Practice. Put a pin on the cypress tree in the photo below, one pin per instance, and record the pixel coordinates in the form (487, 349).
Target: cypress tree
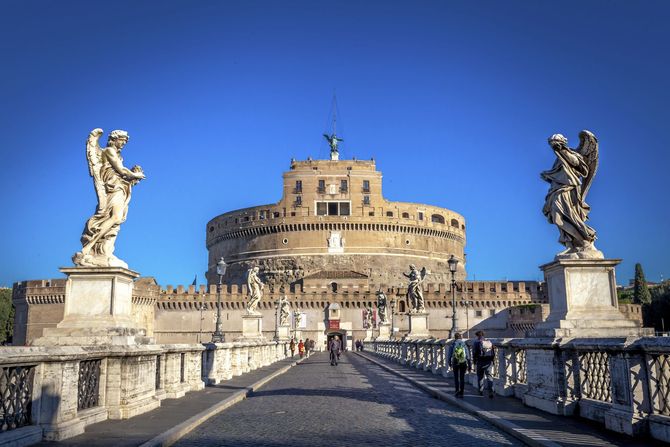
(641, 293)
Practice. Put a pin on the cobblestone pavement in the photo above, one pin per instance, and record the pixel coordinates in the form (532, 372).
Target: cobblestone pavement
(353, 404)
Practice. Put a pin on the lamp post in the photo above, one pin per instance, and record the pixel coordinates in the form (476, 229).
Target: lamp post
(392, 314)
(453, 264)
(467, 316)
(217, 336)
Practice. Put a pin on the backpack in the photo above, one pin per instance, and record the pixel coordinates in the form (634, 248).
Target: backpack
(486, 349)
(459, 354)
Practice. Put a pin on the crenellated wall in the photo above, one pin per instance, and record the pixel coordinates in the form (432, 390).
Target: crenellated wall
(187, 314)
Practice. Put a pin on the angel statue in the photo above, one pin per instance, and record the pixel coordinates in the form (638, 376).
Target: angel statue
(113, 183)
(570, 179)
(381, 307)
(255, 288)
(369, 318)
(332, 142)
(284, 311)
(297, 316)
(415, 288)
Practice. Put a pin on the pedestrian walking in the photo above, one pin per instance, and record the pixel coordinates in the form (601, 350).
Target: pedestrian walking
(301, 349)
(484, 354)
(307, 347)
(334, 349)
(459, 360)
(291, 346)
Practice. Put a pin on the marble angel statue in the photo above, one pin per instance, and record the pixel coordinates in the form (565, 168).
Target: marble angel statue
(415, 288)
(255, 289)
(382, 303)
(565, 204)
(284, 311)
(113, 184)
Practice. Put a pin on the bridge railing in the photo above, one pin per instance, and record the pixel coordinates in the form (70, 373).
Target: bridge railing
(623, 383)
(53, 393)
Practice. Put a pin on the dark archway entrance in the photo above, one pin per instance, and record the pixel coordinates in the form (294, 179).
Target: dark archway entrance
(342, 333)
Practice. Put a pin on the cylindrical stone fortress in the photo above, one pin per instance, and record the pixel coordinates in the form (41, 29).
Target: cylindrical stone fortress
(333, 223)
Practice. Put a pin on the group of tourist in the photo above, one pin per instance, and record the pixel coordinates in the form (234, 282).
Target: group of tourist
(304, 347)
(460, 361)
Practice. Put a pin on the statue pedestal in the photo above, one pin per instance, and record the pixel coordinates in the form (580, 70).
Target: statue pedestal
(283, 333)
(418, 325)
(583, 301)
(368, 335)
(384, 331)
(252, 327)
(98, 309)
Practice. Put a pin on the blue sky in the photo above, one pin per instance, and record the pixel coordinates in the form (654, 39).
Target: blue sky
(455, 101)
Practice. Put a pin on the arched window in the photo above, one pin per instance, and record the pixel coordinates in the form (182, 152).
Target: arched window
(401, 306)
(333, 286)
(454, 223)
(405, 215)
(437, 218)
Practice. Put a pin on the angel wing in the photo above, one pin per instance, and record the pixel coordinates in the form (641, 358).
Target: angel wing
(94, 157)
(588, 149)
(423, 273)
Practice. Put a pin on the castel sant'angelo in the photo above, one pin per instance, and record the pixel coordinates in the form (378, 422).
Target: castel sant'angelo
(328, 245)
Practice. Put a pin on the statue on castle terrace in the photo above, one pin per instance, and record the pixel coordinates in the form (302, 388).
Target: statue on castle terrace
(284, 311)
(415, 288)
(565, 204)
(381, 307)
(113, 183)
(333, 142)
(255, 289)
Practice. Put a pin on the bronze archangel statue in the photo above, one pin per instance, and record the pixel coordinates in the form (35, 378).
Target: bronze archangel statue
(565, 204)
(113, 183)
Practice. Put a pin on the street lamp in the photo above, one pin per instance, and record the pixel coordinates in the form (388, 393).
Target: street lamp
(392, 314)
(467, 316)
(453, 265)
(217, 336)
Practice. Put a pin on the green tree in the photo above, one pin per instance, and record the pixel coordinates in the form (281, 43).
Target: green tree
(6, 315)
(657, 314)
(641, 293)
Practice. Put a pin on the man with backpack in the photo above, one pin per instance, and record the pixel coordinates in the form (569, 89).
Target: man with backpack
(334, 347)
(484, 356)
(459, 360)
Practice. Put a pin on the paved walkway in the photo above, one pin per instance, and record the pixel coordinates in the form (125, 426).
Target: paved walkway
(546, 428)
(172, 412)
(353, 404)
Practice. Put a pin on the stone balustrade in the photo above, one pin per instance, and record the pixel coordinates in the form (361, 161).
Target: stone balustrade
(53, 393)
(622, 383)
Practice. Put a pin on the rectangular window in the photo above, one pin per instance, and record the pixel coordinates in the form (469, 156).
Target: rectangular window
(344, 209)
(298, 200)
(321, 208)
(366, 185)
(343, 186)
(478, 313)
(420, 215)
(366, 200)
(322, 186)
(492, 312)
(332, 208)
(298, 186)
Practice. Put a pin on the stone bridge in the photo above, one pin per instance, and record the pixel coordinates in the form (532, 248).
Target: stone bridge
(605, 391)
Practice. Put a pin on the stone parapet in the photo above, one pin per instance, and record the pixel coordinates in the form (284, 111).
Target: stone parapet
(621, 383)
(58, 390)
